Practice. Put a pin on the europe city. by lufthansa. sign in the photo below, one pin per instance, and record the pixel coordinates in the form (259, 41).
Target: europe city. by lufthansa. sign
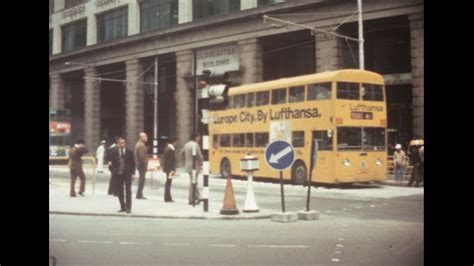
(279, 155)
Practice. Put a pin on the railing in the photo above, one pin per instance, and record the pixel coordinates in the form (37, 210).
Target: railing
(391, 168)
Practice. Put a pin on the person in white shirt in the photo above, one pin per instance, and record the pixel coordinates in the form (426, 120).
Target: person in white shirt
(100, 157)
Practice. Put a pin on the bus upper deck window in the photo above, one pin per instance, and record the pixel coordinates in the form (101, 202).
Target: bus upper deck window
(296, 94)
(372, 92)
(239, 101)
(348, 90)
(278, 96)
(262, 98)
(321, 91)
(250, 99)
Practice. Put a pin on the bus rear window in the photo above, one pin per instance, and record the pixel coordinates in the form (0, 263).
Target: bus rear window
(321, 91)
(238, 140)
(374, 139)
(225, 140)
(296, 94)
(261, 139)
(372, 92)
(262, 98)
(278, 96)
(348, 90)
(349, 138)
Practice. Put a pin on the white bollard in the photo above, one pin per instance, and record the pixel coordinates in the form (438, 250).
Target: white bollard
(250, 203)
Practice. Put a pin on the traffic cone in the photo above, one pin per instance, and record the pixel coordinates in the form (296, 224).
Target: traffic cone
(229, 200)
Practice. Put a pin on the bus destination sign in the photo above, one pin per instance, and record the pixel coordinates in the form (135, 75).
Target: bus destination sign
(362, 115)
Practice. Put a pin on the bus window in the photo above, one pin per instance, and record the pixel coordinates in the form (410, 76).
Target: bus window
(324, 141)
(239, 101)
(349, 138)
(298, 138)
(238, 140)
(261, 139)
(250, 99)
(374, 138)
(225, 140)
(278, 96)
(372, 92)
(215, 141)
(348, 90)
(296, 94)
(249, 140)
(321, 91)
(262, 98)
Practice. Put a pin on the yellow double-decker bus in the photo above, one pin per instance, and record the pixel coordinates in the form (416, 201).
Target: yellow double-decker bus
(344, 111)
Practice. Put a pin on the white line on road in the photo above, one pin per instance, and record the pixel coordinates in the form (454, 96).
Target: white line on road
(336, 260)
(222, 245)
(337, 252)
(134, 243)
(57, 240)
(277, 246)
(340, 245)
(177, 244)
(94, 241)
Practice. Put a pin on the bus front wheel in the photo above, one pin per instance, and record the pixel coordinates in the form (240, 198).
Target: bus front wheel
(299, 173)
(225, 168)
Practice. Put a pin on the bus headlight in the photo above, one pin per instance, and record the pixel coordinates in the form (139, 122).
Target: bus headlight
(346, 162)
(378, 162)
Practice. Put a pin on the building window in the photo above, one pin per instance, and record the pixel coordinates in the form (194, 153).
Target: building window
(208, 8)
(267, 2)
(73, 3)
(278, 96)
(296, 94)
(320, 91)
(112, 25)
(50, 42)
(74, 36)
(348, 90)
(51, 7)
(157, 14)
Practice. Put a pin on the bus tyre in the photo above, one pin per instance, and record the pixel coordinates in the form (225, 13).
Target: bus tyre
(225, 168)
(299, 173)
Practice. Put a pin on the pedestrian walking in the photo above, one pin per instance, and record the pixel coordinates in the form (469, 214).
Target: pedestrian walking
(123, 168)
(415, 161)
(399, 160)
(75, 167)
(100, 154)
(141, 161)
(186, 155)
(169, 167)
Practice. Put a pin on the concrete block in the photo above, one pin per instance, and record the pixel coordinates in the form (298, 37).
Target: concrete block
(284, 217)
(308, 216)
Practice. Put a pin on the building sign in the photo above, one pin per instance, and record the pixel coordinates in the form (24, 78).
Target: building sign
(100, 3)
(60, 128)
(218, 59)
(73, 11)
(397, 79)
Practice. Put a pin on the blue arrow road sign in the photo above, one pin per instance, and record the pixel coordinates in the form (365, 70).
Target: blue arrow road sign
(279, 155)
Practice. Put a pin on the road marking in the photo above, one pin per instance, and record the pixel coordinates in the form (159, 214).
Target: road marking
(177, 244)
(336, 260)
(340, 245)
(134, 243)
(222, 245)
(57, 240)
(371, 206)
(278, 246)
(337, 252)
(94, 241)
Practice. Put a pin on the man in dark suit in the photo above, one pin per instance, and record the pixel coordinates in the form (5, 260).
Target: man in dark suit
(123, 169)
(75, 166)
(169, 167)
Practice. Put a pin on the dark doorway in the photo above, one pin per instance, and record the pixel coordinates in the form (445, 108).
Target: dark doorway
(74, 101)
(399, 113)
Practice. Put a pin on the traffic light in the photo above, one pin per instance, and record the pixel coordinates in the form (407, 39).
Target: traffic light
(215, 88)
